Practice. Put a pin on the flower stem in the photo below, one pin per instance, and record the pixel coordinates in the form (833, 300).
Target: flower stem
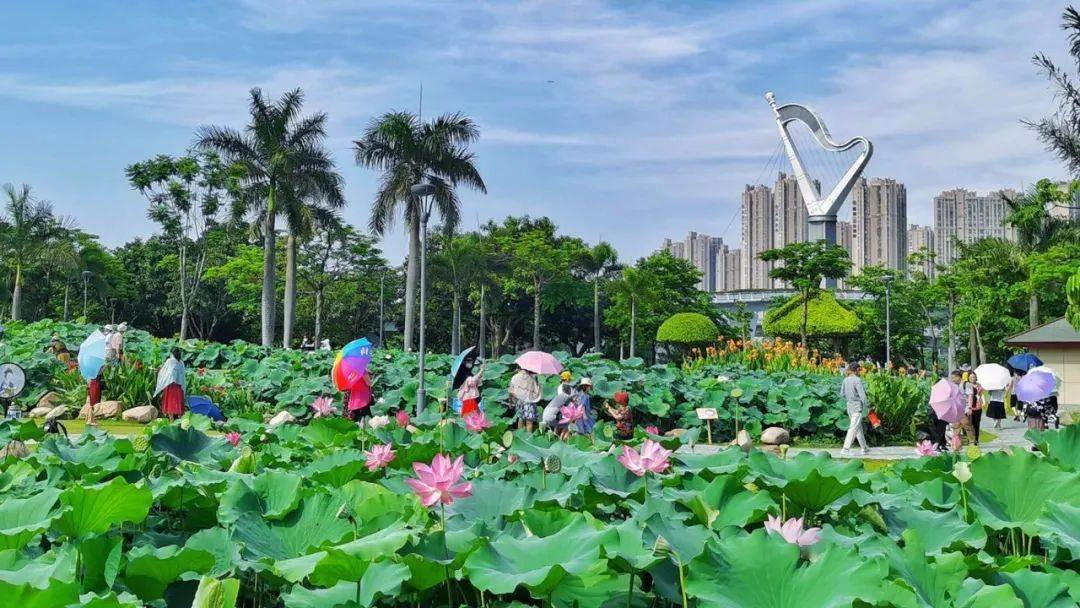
(630, 592)
(446, 554)
(682, 581)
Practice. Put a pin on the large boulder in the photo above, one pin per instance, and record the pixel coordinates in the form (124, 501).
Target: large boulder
(50, 400)
(59, 412)
(39, 412)
(142, 413)
(775, 435)
(105, 409)
(280, 418)
(15, 449)
(743, 441)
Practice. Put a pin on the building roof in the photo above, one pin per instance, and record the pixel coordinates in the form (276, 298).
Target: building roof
(1056, 333)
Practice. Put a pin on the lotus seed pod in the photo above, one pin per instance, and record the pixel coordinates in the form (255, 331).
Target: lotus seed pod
(552, 464)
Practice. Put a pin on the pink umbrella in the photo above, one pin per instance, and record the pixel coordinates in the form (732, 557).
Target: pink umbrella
(947, 401)
(539, 363)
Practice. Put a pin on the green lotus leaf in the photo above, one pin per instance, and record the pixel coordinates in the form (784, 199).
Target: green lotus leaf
(95, 509)
(99, 558)
(375, 506)
(941, 531)
(1039, 589)
(763, 571)
(726, 502)
(336, 468)
(313, 525)
(343, 562)
(918, 583)
(723, 461)
(1060, 524)
(325, 432)
(150, 570)
(21, 520)
(537, 563)
(380, 579)
(107, 600)
(215, 593)
(611, 477)
(686, 541)
(1011, 490)
(810, 481)
(191, 445)
(491, 500)
(1062, 445)
(591, 590)
(46, 582)
(88, 456)
(219, 543)
(272, 495)
(626, 547)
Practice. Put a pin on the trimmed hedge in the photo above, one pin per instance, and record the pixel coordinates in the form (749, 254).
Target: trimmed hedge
(688, 328)
(827, 318)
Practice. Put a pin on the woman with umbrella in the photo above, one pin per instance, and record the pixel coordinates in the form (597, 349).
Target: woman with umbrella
(524, 393)
(171, 382)
(465, 382)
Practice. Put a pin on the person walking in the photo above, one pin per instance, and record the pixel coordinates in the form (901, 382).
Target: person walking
(995, 409)
(94, 388)
(974, 406)
(854, 393)
(524, 394)
(171, 382)
(563, 394)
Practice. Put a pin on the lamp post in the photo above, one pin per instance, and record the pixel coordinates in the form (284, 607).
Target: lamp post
(382, 321)
(425, 192)
(888, 279)
(85, 281)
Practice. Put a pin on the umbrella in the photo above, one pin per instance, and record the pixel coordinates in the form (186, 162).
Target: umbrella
(1052, 372)
(993, 377)
(1035, 386)
(92, 355)
(539, 362)
(462, 367)
(947, 401)
(199, 404)
(351, 364)
(1024, 361)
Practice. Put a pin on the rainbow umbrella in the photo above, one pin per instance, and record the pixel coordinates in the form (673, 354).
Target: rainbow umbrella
(351, 364)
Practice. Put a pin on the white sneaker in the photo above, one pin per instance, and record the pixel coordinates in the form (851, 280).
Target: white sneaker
(845, 454)
(865, 451)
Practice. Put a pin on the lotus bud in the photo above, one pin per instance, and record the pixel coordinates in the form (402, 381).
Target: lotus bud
(783, 450)
(962, 472)
(662, 548)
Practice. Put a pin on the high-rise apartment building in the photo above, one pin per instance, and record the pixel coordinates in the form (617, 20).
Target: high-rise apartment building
(789, 212)
(728, 269)
(965, 216)
(878, 224)
(758, 231)
(921, 240)
(709, 255)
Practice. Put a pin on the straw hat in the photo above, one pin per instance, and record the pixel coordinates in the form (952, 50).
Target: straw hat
(585, 382)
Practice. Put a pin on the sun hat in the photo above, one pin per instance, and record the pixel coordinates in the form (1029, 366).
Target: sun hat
(585, 382)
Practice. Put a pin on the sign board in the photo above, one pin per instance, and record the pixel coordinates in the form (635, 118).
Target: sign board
(12, 380)
(706, 413)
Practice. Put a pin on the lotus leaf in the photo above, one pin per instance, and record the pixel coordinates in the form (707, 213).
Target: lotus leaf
(380, 579)
(150, 570)
(214, 593)
(190, 445)
(1039, 589)
(313, 525)
(1012, 490)
(941, 530)
(1061, 446)
(21, 520)
(95, 509)
(272, 495)
(920, 583)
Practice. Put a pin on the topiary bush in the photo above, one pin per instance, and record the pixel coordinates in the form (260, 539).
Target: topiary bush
(827, 318)
(688, 329)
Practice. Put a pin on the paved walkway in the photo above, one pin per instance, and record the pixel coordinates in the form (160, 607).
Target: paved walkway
(1009, 435)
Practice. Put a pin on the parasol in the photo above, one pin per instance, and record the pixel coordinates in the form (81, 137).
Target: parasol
(539, 362)
(462, 367)
(351, 364)
(92, 355)
(993, 377)
(1035, 385)
(947, 401)
(1024, 361)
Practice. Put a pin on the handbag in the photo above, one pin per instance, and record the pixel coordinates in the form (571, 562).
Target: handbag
(875, 420)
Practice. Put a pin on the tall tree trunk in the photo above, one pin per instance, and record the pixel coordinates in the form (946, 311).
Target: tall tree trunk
(411, 279)
(979, 344)
(269, 286)
(952, 332)
(1033, 310)
(183, 291)
(318, 316)
(972, 347)
(67, 292)
(16, 294)
(633, 326)
(455, 329)
(483, 321)
(596, 314)
(290, 290)
(536, 316)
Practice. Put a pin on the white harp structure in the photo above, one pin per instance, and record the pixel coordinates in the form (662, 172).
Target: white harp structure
(821, 209)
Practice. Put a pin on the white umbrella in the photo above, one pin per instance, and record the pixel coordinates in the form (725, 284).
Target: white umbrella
(1052, 372)
(993, 377)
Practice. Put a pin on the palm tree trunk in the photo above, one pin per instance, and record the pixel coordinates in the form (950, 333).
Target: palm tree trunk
(67, 291)
(596, 314)
(269, 286)
(411, 278)
(1033, 310)
(633, 326)
(483, 320)
(318, 316)
(536, 316)
(455, 329)
(290, 290)
(16, 294)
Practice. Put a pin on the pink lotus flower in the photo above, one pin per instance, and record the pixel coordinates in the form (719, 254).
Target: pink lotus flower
(402, 418)
(653, 457)
(652, 430)
(438, 483)
(792, 531)
(323, 406)
(476, 422)
(571, 413)
(955, 444)
(926, 448)
(379, 456)
(233, 438)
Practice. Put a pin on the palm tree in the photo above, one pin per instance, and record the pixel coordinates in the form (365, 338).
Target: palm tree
(303, 217)
(599, 262)
(637, 287)
(464, 260)
(30, 225)
(408, 151)
(283, 161)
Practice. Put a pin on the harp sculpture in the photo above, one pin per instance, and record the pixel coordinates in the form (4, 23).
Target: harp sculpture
(821, 210)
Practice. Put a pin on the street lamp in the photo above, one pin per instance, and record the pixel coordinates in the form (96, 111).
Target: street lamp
(888, 279)
(425, 192)
(85, 281)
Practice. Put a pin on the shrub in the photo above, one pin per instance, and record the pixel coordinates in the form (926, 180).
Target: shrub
(688, 329)
(826, 318)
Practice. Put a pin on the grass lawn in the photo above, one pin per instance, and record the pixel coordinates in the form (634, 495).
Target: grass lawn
(113, 427)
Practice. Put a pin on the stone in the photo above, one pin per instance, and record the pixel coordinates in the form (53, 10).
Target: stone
(280, 418)
(142, 413)
(39, 412)
(15, 449)
(58, 413)
(675, 433)
(775, 435)
(50, 400)
(743, 441)
(108, 409)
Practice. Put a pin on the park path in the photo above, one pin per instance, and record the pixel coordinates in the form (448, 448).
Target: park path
(1010, 435)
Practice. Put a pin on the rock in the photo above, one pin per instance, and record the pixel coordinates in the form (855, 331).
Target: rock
(14, 448)
(280, 418)
(50, 400)
(57, 413)
(142, 413)
(108, 409)
(39, 412)
(743, 441)
(775, 435)
(676, 433)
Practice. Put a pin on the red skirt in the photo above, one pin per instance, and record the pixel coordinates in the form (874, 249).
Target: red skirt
(93, 390)
(172, 400)
(469, 406)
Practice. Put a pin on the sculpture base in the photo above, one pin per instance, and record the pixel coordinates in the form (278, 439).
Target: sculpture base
(822, 228)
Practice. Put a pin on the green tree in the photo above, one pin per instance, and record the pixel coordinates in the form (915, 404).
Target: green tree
(305, 218)
(1060, 132)
(598, 263)
(636, 286)
(30, 224)
(805, 266)
(463, 260)
(282, 161)
(407, 152)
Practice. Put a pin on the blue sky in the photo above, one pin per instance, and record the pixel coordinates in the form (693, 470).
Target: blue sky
(627, 121)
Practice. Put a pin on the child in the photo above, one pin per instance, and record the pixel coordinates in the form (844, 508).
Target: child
(469, 393)
(624, 418)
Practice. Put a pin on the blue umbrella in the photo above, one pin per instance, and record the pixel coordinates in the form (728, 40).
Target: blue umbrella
(199, 404)
(1024, 361)
(459, 370)
(92, 355)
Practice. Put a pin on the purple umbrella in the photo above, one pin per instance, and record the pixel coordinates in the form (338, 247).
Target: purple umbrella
(947, 401)
(1035, 385)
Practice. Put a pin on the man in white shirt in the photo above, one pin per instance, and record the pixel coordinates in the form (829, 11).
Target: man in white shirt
(854, 392)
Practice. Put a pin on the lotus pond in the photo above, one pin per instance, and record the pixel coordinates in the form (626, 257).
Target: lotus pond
(297, 516)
